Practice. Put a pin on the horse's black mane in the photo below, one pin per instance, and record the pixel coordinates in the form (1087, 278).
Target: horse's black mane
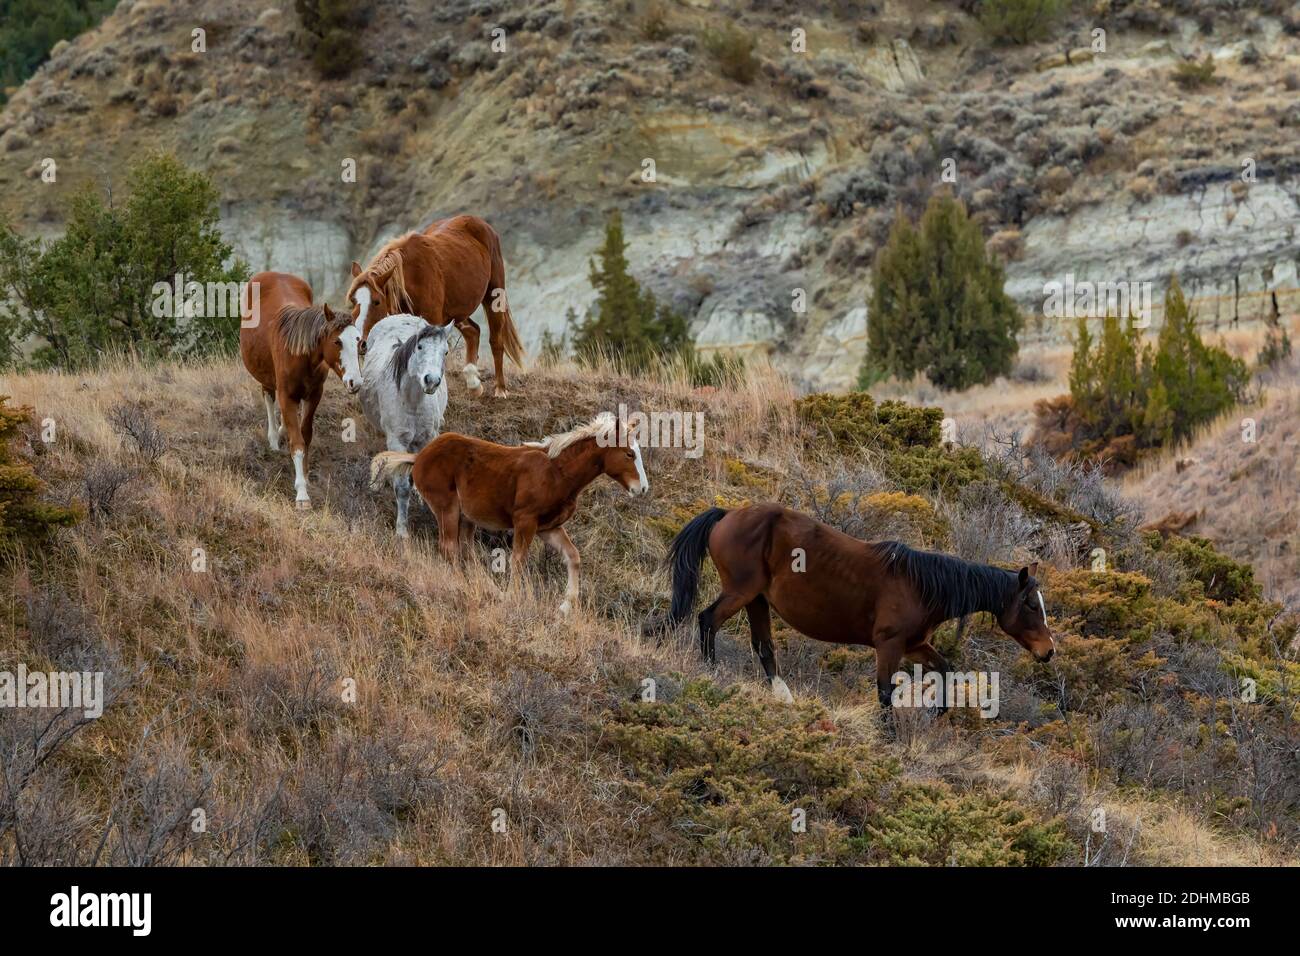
(949, 585)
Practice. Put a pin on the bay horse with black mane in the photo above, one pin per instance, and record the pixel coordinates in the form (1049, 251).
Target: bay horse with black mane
(835, 588)
(531, 489)
(290, 346)
(443, 274)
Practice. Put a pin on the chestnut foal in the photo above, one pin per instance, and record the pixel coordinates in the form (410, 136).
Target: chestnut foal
(531, 488)
(290, 346)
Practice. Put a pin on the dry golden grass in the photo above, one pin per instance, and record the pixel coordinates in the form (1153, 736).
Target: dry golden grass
(472, 694)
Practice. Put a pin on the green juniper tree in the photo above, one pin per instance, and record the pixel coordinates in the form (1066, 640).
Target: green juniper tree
(938, 305)
(29, 29)
(92, 291)
(626, 322)
(1154, 395)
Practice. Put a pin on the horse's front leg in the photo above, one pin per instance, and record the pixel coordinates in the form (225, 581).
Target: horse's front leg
(469, 329)
(525, 528)
(932, 659)
(274, 427)
(308, 408)
(559, 539)
(402, 492)
(889, 654)
(401, 483)
(289, 413)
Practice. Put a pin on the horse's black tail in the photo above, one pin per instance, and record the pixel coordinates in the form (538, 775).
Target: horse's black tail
(685, 555)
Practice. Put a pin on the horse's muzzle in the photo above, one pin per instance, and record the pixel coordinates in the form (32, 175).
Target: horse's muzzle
(1044, 658)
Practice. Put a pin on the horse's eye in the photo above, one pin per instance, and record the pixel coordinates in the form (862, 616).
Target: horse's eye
(361, 347)
(631, 454)
(339, 342)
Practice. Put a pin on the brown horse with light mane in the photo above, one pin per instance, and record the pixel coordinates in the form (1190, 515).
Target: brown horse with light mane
(835, 588)
(531, 489)
(443, 274)
(290, 346)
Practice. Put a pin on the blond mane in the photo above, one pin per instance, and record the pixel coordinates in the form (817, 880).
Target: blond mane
(554, 444)
(385, 270)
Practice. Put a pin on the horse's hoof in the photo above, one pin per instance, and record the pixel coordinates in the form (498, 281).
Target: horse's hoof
(501, 393)
(476, 391)
(403, 534)
(303, 504)
(781, 692)
(565, 608)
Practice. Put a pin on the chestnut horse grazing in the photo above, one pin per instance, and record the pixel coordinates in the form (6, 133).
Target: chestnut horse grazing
(290, 346)
(443, 274)
(531, 488)
(835, 588)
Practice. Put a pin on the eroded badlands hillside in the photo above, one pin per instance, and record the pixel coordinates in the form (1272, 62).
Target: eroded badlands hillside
(1097, 164)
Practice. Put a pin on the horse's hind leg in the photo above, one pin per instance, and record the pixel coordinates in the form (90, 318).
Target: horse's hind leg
(713, 617)
(469, 329)
(274, 426)
(760, 638)
(449, 530)
(494, 307)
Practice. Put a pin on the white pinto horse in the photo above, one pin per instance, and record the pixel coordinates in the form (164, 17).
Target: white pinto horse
(403, 391)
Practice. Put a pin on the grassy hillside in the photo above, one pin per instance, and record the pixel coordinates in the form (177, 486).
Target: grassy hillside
(231, 684)
(1240, 493)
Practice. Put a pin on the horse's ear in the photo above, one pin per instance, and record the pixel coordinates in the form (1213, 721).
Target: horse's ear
(356, 268)
(1033, 570)
(1024, 578)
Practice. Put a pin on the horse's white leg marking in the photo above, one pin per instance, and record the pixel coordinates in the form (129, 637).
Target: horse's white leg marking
(274, 429)
(570, 586)
(560, 541)
(300, 480)
(472, 381)
(781, 691)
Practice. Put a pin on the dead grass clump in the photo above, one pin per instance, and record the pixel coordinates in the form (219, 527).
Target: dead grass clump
(733, 50)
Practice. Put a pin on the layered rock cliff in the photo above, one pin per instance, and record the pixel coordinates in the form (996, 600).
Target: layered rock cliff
(543, 116)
